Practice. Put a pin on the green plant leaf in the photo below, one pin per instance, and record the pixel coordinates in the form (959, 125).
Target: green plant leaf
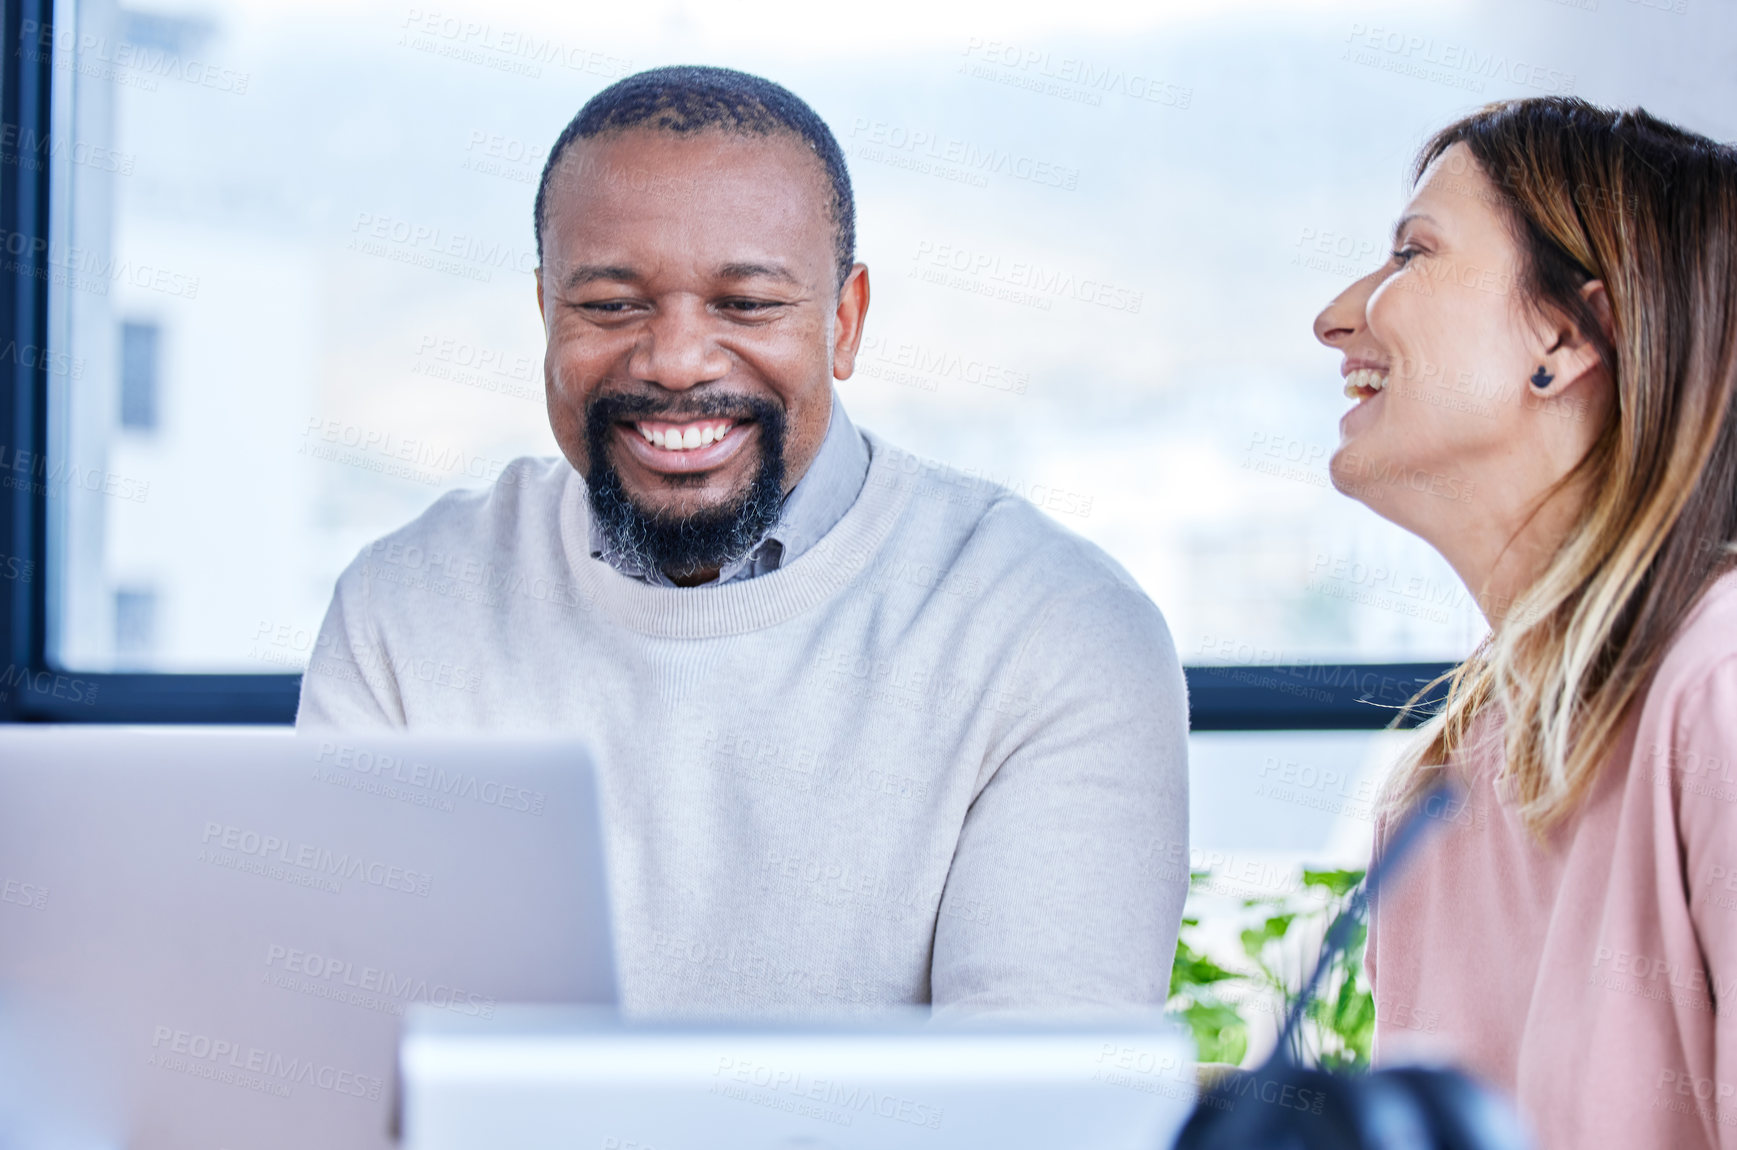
(1220, 1034)
(1273, 929)
(1192, 970)
(1338, 883)
(1212, 999)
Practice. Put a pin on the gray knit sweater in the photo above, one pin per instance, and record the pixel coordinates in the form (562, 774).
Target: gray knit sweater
(938, 757)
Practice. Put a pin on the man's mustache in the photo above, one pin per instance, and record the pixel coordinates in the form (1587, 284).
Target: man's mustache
(711, 405)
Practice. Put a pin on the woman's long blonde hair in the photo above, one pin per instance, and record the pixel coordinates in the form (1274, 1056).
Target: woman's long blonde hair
(1651, 210)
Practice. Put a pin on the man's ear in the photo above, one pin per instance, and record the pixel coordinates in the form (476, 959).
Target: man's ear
(853, 301)
(537, 274)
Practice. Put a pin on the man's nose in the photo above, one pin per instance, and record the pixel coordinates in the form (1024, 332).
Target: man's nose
(1346, 316)
(678, 348)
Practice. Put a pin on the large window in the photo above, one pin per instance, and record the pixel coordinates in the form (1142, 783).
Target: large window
(286, 294)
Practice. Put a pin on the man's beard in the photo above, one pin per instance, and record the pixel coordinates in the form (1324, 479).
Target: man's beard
(709, 539)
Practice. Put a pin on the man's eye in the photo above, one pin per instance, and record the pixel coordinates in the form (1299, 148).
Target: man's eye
(607, 306)
(749, 306)
(1405, 255)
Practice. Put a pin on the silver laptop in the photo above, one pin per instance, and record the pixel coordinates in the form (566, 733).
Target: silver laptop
(560, 1079)
(209, 940)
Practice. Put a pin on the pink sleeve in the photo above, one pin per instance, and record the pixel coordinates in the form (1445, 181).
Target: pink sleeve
(1703, 754)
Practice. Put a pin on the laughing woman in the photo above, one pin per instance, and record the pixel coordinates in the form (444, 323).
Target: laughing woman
(1544, 374)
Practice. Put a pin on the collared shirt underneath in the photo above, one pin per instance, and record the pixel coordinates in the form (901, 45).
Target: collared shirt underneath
(818, 501)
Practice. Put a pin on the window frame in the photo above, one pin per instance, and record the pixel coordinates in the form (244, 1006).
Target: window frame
(1263, 697)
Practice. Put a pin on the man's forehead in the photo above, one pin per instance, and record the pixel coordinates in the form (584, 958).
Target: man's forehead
(651, 201)
(659, 164)
(634, 273)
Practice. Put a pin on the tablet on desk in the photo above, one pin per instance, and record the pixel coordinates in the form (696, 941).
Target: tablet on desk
(225, 930)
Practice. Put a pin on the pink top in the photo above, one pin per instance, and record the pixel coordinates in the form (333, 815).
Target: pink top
(1584, 975)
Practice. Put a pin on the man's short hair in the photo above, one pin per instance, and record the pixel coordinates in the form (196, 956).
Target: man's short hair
(690, 98)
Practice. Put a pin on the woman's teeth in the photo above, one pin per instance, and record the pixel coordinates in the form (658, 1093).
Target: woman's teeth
(684, 438)
(1364, 382)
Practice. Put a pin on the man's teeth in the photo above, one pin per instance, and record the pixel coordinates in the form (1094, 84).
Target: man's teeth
(1364, 379)
(685, 438)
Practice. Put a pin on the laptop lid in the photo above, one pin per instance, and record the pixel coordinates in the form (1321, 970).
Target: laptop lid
(227, 928)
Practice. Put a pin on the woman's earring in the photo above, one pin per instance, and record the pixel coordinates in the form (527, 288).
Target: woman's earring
(1541, 378)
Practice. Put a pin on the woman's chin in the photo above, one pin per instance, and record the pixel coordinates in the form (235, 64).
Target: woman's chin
(1360, 416)
(1357, 475)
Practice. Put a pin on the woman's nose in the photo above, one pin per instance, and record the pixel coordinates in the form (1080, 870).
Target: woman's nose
(1344, 317)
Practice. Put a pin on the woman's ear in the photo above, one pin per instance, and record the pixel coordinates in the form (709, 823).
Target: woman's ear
(1599, 300)
(1573, 353)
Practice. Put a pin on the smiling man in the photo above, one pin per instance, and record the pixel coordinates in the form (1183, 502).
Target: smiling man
(870, 732)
